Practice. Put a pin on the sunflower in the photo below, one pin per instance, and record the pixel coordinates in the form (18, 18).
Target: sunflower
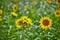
(57, 1)
(19, 23)
(26, 19)
(14, 7)
(0, 11)
(45, 22)
(29, 21)
(22, 20)
(14, 14)
(57, 13)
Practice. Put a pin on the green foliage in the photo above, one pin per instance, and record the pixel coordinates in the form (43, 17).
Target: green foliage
(8, 30)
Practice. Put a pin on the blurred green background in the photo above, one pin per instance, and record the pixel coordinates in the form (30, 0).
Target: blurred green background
(35, 10)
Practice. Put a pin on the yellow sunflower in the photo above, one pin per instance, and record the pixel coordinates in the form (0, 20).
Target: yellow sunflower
(14, 14)
(14, 7)
(0, 11)
(26, 19)
(57, 13)
(30, 21)
(57, 1)
(45, 22)
(19, 23)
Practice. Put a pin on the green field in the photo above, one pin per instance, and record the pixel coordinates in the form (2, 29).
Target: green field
(29, 19)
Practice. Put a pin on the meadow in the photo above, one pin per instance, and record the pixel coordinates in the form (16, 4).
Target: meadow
(29, 19)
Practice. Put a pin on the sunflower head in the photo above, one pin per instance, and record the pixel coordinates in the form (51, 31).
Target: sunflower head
(45, 22)
(57, 13)
(26, 20)
(0, 11)
(19, 23)
(14, 14)
(22, 20)
(30, 21)
(14, 7)
(57, 1)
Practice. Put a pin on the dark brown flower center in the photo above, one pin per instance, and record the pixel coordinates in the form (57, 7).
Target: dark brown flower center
(15, 8)
(57, 13)
(59, 1)
(45, 22)
(20, 22)
(26, 19)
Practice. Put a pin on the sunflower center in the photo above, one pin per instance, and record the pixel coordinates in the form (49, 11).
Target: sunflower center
(57, 13)
(26, 20)
(20, 23)
(59, 1)
(15, 8)
(45, 22)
